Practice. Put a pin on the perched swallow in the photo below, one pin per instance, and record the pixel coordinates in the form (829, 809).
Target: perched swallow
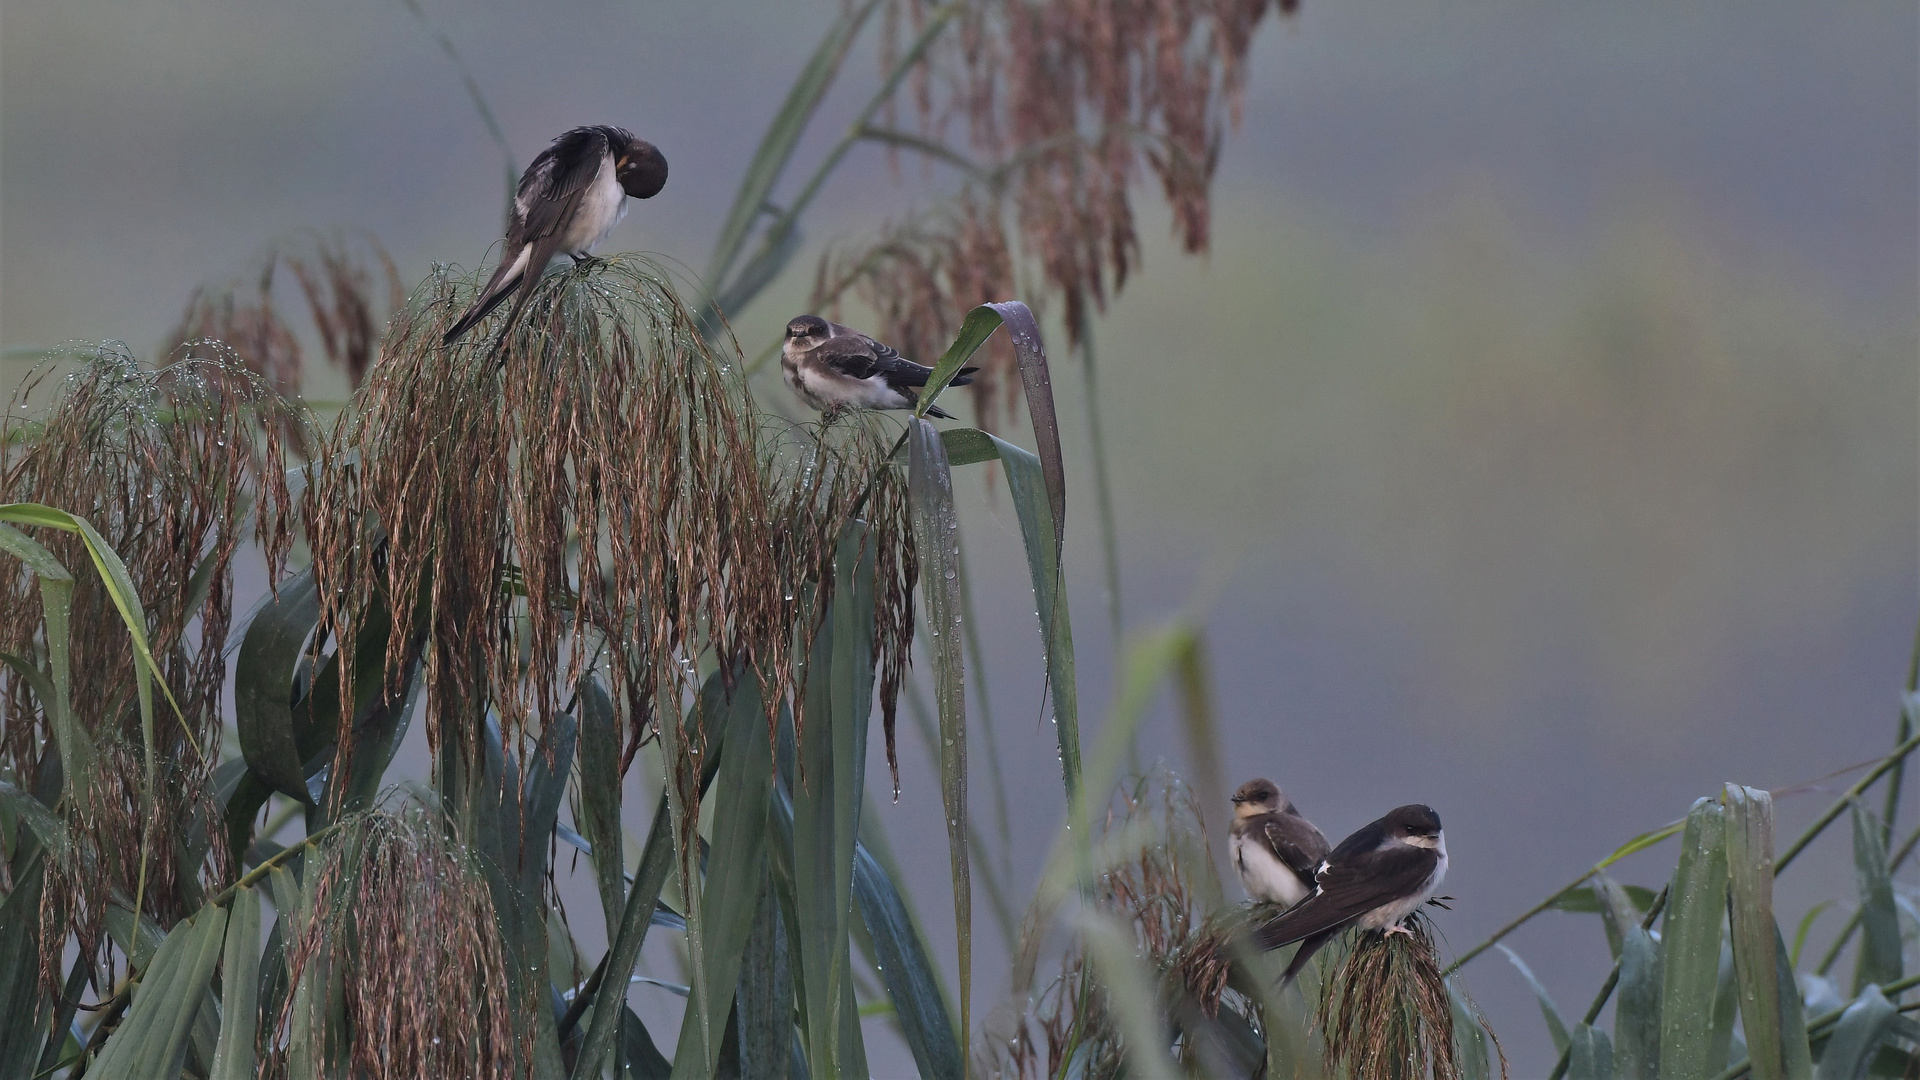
(833, 367)
(1274, 848)
(1373, 880)
(573, 194)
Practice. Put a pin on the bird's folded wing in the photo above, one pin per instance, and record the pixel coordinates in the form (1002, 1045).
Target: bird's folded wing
(853, 357)
(552, 187)
(1294, 842)
(1348, 890)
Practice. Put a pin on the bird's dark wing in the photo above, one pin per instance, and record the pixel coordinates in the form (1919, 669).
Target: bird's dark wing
(1293, 840)
(551, 188)
(1348, 889)
(853, 355)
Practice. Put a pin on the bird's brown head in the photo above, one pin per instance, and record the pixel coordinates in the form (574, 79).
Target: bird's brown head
(1257, 797)
(1416, 824)
(807, 331)
(640, 168)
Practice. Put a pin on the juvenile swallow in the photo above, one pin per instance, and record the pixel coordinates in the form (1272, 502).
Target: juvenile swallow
(573, 194)
(834, 367)
(1373, 880)
(1274, 848)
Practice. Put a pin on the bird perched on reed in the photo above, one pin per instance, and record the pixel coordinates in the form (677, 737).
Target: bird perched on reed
(572, 195)
(1274, 848)
(830, 366)
(1373, 880)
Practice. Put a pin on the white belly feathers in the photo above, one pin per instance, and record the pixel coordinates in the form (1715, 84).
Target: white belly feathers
(1265, 876)
(602, 206)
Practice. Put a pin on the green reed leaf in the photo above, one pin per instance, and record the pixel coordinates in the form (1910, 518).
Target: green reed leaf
(1879, 959)
(234, 1059)
(1690, 940)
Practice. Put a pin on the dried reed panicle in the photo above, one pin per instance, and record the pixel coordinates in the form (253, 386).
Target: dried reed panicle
(604, 458)
(1156, 891)
(823, 478)
(1065, 104)
(1386, 1014)
(167, 464)
(405, 923)
(349, 287)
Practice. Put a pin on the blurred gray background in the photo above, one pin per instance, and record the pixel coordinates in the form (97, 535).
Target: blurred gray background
(1538, 440)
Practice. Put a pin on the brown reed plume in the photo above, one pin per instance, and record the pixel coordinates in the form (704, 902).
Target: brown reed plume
(1064, 105)
(399, 919)
(1157, 889)
(1386, 1013)
(349, 287)
(168, 465)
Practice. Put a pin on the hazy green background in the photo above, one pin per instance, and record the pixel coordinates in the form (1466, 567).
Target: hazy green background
(1540, 434)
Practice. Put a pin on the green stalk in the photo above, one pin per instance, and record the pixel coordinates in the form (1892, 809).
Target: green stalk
(1853, 921)
(1904, 731)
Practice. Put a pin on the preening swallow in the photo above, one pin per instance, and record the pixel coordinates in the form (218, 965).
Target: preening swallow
(834, 367)
(1274, 848)
(572, 195)
(1373, 880)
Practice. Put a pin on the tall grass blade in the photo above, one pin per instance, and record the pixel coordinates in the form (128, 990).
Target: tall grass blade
(599, 809)
(656, 863)
(152, 1041)
(764, 998)
(1590, 1056)
(1556, 1024)
(1690, 939)
(235, 1057)
(1776, 1032)
(826, 804)
(937, 538)
(1879, 959)
(736, 872)
(44, 824)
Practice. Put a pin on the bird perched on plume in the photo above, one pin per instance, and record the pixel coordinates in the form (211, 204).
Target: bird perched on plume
(1373, 880)
(573, 194)
(834, 367)
(1274, 848)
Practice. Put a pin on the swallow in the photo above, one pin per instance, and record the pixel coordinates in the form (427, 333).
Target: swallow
(1373, 880)
(1274, 848)
(572, 195)
(830, 366)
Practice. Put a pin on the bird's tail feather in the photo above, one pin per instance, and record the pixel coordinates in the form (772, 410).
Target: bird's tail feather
(496, 294)
(938, 413)
(1308, 946)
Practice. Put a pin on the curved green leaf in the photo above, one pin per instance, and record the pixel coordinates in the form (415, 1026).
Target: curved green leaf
(263, 679)
(599, 810)
(1556, 1025)
(56, 605)
(1865, 1024)
(22, 1007)
(912, 980)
